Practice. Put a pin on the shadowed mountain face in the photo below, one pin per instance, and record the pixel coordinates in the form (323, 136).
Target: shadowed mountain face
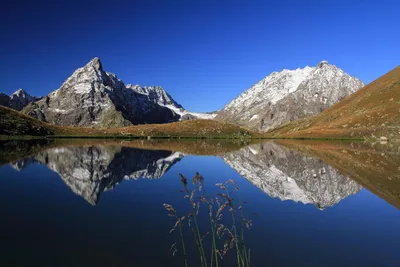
(91, 170)
(289, 175)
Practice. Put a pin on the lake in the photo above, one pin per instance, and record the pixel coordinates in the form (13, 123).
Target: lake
(100, 203)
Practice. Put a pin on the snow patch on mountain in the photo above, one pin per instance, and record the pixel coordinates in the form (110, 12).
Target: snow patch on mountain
(274, 87)
(183, 112)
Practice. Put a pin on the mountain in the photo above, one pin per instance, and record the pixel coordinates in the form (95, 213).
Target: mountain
(95, 98)
(18, 100)
(289, 95)
(92, 97)
(288, 175)
(91, 170)
(371, 112)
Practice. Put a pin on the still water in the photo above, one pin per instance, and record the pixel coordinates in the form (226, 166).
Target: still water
(100, 203)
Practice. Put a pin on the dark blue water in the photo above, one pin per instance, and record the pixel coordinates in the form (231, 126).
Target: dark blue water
(122, 222)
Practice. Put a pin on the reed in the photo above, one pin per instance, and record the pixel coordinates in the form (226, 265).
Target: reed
(223, 234)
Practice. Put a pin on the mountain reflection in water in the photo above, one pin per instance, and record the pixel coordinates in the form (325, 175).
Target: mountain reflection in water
(288, 175)
(277, 170)
(91, 170)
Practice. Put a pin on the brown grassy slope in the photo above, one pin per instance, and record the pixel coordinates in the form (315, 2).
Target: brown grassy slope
(372, 111)
(13, 123)
(194, 128)
(375, 166)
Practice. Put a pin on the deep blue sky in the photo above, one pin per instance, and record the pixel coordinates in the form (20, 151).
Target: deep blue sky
(204, 53)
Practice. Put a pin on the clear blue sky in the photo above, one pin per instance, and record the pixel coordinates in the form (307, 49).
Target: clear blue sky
(204, 53)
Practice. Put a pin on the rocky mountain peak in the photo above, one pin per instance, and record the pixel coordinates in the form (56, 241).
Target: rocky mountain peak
(289, 95)
(19, 99)
(95, 63)
(19, 92)
(322, 63)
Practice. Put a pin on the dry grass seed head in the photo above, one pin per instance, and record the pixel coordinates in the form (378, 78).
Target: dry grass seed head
(169, 208)
(179, 221)
(173, 249)
(220, 185)
(219, 211)
(220, 229)
(190, 218)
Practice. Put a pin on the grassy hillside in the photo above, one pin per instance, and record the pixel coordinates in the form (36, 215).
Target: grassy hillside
(371, 112)
(13, 123)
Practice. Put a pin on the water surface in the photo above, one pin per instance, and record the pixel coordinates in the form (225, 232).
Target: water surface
(100, 203)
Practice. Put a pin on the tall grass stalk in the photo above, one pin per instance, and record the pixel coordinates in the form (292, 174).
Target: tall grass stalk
(217, 226)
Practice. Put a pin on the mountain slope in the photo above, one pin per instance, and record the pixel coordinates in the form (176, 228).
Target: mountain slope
(13, 123)
(289, 95)
(372, 111)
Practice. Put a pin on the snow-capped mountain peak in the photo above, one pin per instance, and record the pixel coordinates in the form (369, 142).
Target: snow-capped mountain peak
(95, 63)
(289, 95)
(19, 99)
(21, 93)
(322, 63)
